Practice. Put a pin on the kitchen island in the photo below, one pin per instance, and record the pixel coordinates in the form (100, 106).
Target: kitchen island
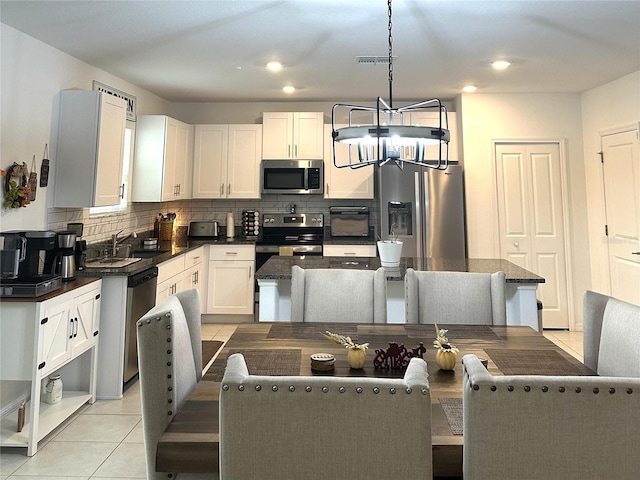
(274, 281)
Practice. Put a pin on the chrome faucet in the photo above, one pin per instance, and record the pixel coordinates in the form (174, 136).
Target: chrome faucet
(115, 240)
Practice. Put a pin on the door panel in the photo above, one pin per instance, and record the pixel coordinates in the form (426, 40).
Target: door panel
(531, 220)
(621, 170)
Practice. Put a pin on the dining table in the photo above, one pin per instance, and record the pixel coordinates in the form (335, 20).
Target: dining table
(189, 444)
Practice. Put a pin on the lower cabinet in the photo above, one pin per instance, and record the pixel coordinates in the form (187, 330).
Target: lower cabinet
(349, 250)
(170, 278)
(231, 279)
(40, 339)
(195, 275)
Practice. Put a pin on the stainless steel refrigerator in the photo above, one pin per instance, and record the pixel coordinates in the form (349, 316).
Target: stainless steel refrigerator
(424, 208)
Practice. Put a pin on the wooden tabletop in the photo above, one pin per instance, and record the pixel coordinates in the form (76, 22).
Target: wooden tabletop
(190, 442)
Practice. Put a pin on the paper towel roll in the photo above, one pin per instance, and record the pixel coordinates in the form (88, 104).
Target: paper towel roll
(230, 225)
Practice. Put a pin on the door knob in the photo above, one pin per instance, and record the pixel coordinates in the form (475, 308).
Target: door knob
(516, 244)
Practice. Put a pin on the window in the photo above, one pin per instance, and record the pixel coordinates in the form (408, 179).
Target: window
(126, 168)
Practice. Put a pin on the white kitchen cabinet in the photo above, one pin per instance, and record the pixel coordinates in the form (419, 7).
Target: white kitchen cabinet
(333, 250)
(170, 278)
(195, 274)
(226, 161)
(231, 279)
(89, 148)
(40, 338)
(163, 159)
(296, 135)
(345, 182)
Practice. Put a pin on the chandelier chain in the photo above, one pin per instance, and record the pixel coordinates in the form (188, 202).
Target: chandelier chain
(390, 56)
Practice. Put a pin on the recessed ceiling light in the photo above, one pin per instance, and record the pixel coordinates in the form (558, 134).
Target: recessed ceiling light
(274, 66)
(289, 89)
(500, 64)
(469, 88)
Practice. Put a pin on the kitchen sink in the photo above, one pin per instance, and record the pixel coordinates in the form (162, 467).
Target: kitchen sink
(112, 262)
(148, 253)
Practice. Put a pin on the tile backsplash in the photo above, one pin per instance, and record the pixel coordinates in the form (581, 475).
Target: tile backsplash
(140, 216)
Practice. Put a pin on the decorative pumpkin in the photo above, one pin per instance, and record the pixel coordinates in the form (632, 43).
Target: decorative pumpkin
(356, 357)
(446, 359)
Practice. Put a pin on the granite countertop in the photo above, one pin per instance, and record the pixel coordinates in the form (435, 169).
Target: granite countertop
(279, 268)
(173, 248)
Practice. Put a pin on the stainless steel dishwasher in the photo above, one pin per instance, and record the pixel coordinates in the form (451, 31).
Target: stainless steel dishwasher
(141, 297)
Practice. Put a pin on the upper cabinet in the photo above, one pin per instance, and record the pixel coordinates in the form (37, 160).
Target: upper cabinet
(226, 161)
(296, 135)
(162, 163)
(344, 182)
(89, 149)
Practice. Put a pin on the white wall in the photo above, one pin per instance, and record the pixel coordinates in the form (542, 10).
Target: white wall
(615, 104)
(31, 74)
(487, 118)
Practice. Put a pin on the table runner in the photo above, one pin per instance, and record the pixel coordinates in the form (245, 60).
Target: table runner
(285, 361)
(311, 331)
(456, 332)
(453, 410)
(532, 362)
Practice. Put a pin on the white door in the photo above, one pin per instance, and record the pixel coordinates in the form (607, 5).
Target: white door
(621, 170)
(532, 223)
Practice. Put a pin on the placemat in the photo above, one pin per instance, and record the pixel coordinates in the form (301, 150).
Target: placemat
(284, 361)
(456, 332)
(209, 349)
(311, 331)
(453, 410)
(532, 362)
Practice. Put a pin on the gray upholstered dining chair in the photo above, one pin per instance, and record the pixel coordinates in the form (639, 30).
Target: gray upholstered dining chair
(170, 365)
(611, 338)
(324, 427)
(455, 297)
(540, 427)
(338, 295)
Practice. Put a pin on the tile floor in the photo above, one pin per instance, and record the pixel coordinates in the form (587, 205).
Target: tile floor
(104, 440)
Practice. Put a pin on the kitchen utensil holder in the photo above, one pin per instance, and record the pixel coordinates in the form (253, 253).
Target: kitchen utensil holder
(166, 230)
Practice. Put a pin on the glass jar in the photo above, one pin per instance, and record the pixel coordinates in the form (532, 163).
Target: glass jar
(53, 390)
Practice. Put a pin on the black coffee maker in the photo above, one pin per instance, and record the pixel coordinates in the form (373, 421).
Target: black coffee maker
(81, 245)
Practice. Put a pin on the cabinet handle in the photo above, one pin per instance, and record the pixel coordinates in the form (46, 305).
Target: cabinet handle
(122, 191)
(44, 320)
(295, 149)
(231, 253)
(71, 323)
(41, 366)
(179, 189)
(349, 253)
(98, 297)
(250, 269)
(289, 151)
(327, 189)
(229, 189)
(95, 334)
(221, 189)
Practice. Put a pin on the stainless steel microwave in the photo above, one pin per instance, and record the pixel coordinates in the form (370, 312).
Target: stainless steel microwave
(292, 176)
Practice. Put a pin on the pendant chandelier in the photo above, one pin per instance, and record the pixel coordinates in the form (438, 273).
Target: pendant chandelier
(382, 141)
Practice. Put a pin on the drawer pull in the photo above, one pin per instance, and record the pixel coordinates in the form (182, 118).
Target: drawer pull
(231, 253)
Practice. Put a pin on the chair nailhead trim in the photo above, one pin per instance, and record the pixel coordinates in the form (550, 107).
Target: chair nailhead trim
(629, 391)
(578, 389)
(376, 390)
(148, 321)
(168, 364)
(292, 388)
(169, 376)
(408, 390)
(493, 388)
(392, 391)
(359, 390)
(561, 389)
(325, 389)
(510, 388)
(527, 388)
(170, 412)
(476, 387)
(274, 388)
(169, 352)
(170, 389)
(612, 391)
(169, 400)
(169, 340)
(342, 389)
(168, 315)
(258, 388)
(225, 387)
(596, 390)
(139, 323)
(308, 388)
(241, 388)
(545, 389)
(425, 391)
(168, 327)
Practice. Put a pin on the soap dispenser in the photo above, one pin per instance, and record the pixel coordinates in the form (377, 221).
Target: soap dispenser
(230, 225)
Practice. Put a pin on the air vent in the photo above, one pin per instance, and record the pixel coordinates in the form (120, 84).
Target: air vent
(374, 60)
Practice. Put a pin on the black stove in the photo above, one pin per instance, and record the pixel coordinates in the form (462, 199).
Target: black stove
(289, 234)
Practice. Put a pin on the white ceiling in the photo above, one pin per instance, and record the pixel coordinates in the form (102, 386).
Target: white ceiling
(196, 51)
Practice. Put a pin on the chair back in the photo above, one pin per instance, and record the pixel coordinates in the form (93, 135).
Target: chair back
(338, 295)
(543, 427)
(455, 298)
(170, 365)
(321, 427)
(619, 353)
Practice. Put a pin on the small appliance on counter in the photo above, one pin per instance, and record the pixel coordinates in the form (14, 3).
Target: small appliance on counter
(204, 229)
(81, 245)
(250, 224)
(32, 279)
(62, 260)
(349, 221)
(231, 226)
